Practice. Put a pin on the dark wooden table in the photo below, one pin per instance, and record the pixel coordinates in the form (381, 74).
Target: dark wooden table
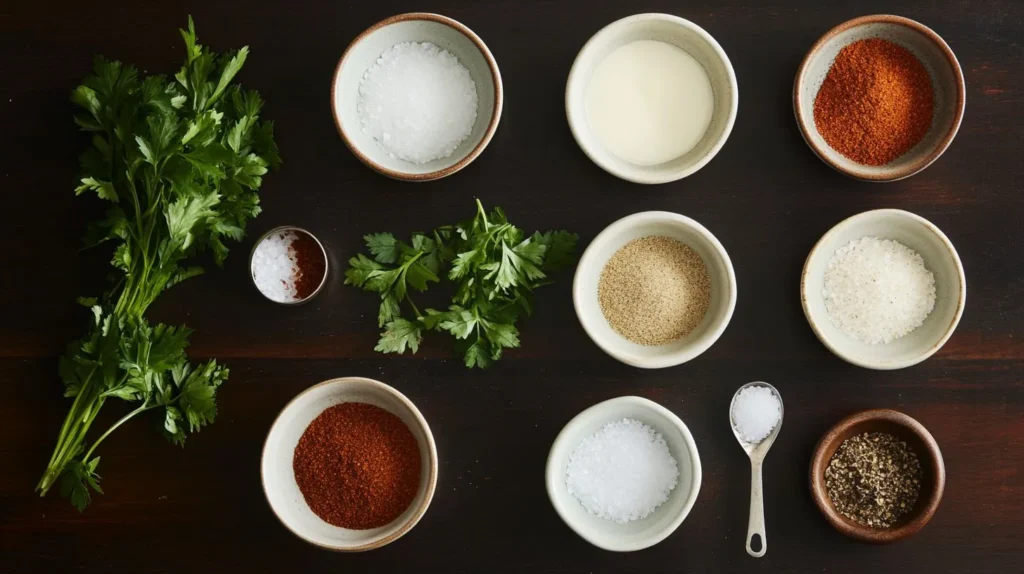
(765, 196)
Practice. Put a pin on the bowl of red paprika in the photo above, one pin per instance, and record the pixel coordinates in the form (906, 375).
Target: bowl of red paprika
(349, 465)
(879, 98)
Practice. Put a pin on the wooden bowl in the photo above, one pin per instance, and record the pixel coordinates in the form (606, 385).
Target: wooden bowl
(930, 49)
(917, 437)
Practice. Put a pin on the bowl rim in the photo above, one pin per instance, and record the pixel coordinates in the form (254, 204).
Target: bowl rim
(552, 469)
(323, 250)
(685, 354)
(812, 320)
(934, 463)
(915, 167)
(431, 478)
(492, 64)
(638, 176)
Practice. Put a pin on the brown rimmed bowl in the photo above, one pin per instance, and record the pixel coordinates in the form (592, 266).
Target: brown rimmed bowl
(278, 477)
(919, 440)
(416, 27)
(930, 49)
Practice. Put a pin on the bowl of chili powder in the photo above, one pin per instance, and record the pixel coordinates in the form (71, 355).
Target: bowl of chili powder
(349, 465)
(879, 98)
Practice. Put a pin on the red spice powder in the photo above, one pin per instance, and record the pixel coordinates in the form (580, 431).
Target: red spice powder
(876, 102)
(357, 465)
(310, 264)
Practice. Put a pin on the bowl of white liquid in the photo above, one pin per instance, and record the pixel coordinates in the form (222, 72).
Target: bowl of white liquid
(651, 98)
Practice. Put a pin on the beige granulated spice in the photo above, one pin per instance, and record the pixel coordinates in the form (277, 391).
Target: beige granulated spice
(654, 290)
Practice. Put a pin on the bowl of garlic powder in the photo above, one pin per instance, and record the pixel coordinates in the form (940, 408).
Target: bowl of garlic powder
(654, 289)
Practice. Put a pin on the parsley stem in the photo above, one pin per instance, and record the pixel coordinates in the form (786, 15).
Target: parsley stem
(71, 414)
(145, 407)
(414, 308)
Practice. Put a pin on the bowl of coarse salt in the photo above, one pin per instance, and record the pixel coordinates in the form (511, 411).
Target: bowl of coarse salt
(884, 289)
(624, 474)
(417, 96)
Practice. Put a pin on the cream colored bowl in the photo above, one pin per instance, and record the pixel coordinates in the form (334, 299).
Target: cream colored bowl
(416, 27)
(666, 224)
(666, 518)
(692, 39)
(938, 59)
(939, 257)
(283, 493)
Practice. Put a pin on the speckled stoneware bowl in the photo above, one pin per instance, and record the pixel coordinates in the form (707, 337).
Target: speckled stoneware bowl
(939, 257)
(282, 492)
(693, 40)
(938, 59)
(416, 27)
(917, 437)
(666, 518)
(645, 224)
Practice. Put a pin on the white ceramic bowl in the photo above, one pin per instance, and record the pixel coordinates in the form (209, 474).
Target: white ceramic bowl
(416, 27)
(666, 518)
(664, 28)
(938, 59)
(278, 476)
(644, 224)
(939, 257)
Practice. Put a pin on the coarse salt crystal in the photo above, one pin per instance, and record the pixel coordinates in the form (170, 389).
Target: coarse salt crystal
(418, 101)
(755, 413)
(623, 472)
(274, 267)
(877, 290)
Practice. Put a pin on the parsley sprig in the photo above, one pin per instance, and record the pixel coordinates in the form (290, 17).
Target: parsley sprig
(495, 268)
(180, 161)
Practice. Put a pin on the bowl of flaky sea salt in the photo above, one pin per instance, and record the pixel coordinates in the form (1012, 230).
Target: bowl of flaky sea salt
(417, 96)
(884, 289)
(624, 474)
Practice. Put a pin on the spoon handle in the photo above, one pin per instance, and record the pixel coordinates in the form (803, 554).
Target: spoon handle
(755, 527)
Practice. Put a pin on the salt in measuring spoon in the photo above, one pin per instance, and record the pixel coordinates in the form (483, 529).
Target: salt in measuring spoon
(756, 452)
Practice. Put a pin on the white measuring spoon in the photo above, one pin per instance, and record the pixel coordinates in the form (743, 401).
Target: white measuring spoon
(757, 452)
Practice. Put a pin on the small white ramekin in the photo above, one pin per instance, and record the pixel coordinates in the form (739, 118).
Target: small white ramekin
(693, 40)
(645, 224)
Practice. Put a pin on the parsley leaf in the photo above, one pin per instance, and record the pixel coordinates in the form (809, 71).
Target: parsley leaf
(494, 267)
(399, 334)
(383, 246)
(180, 160)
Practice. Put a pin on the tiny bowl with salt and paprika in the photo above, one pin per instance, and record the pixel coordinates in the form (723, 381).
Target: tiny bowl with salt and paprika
(947, 98)
(920, 441)
(278, 475)
(306, 258)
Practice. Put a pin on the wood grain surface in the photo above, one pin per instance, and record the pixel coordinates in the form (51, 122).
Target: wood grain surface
(765, 196)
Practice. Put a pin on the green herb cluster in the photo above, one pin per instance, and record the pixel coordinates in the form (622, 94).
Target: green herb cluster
(180, 160)
(495, 268)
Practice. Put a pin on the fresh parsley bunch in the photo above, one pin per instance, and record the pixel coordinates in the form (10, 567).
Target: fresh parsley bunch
(495, 268)
(180, 160)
